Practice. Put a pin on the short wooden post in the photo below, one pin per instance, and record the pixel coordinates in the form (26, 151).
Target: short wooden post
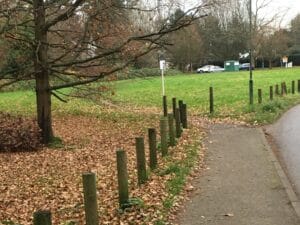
(122, 178)
(42, 217)
(177, 123)
(284, 88)
(171, 129)
(184, 117)
(90, 198)
(211, 100)
(174, 105)
(165, 105)
(180, 103)
(277, 89)
(141, 160)
(271, 93)
(298, 86)
(152, 148)
(164, 136)
(259, 96)
(293, 87)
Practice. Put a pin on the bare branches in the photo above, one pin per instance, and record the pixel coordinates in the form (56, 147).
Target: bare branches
(88, 40)
(58, 97)
(103, 74)
(64, 16)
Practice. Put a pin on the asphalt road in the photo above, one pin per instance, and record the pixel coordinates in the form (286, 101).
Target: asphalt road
(241, 185)
(286, 135)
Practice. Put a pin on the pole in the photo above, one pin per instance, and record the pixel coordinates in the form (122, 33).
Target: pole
(90, 198)
(250, 55)
(163, 81)
(122, 177)
(42, 218)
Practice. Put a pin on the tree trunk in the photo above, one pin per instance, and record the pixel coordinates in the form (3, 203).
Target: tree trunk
(43, 93)
(270, 64)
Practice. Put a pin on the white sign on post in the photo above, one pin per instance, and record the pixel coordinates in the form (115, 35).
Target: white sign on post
(284, 59)
(162, 64)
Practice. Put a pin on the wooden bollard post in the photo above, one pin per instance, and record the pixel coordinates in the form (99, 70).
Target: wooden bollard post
(164, 136)
(180, 103)
(282, 89)
(298, 86)
(184, 116)
(122, 178)
(174, 105)
(211, 100)
(171, 129)
(251, 93)
(165, 105)
(152, 148)
(293, 87)
(271, 93)
(277, 89)
(259, 96)
(90, 198)
(141, 160)
(177, 123)
(42, 217)
(285, 88)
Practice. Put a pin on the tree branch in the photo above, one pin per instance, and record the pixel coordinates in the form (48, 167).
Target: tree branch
(62, 17)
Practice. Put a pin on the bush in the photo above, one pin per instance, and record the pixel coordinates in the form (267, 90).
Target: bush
(144, 72)
(19, 86)
(18, 134)
(272, 106)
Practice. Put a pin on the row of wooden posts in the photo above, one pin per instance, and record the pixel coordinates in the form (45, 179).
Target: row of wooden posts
(168, 135)
(278, 92)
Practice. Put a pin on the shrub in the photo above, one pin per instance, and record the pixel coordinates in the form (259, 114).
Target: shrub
(18, 134)
(144, 72)
(272, 106)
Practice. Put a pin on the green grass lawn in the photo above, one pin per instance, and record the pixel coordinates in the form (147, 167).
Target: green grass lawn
(230, 91)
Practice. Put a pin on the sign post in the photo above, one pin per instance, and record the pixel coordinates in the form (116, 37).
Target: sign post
(285, 61)
(162, 65)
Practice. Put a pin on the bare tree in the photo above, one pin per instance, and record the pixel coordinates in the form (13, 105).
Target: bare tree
(75, 42)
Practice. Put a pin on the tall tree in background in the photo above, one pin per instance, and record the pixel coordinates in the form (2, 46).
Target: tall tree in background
(224, 32)
(295, 35)
(186, 45)
(274, 45)
(74, 42)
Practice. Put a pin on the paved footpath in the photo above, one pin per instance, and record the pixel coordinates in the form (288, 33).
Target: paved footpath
(241, 185)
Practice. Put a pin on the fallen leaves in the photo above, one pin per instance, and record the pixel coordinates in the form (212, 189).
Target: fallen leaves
(51, 178)
(18, 133)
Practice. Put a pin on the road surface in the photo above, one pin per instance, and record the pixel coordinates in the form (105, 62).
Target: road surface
(286, 135)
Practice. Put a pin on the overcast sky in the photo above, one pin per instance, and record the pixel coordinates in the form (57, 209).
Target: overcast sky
(288, 8)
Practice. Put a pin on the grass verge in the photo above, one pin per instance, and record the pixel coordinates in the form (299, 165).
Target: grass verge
(178, 169)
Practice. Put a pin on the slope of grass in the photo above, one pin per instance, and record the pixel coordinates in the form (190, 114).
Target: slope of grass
(230, 92)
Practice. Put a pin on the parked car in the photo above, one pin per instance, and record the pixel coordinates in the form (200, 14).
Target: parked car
(210, 69)
(245, 66)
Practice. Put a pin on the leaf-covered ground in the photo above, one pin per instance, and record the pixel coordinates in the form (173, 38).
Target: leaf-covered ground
(51, 178)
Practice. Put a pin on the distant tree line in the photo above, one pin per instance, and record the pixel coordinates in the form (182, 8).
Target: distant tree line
(224, 35)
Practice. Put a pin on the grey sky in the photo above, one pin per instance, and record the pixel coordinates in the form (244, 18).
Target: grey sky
(287, 9)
